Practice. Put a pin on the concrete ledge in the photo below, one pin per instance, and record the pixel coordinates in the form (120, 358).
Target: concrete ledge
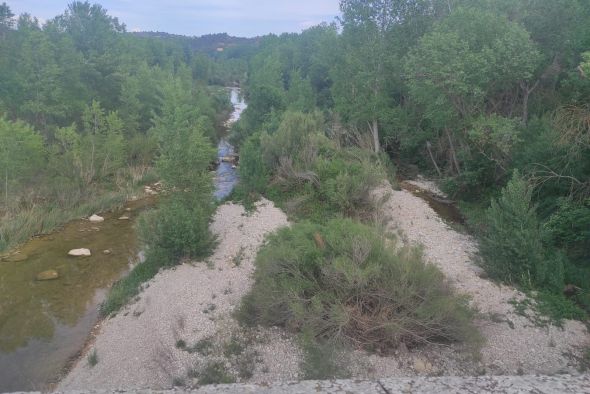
(541, 384)
(490, 384)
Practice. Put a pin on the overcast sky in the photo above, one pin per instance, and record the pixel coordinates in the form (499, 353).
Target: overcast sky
(244, 18)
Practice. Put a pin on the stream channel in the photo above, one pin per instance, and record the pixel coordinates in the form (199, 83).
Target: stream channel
(44, 324)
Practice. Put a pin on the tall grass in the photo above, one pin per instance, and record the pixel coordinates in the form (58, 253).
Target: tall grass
(55, 202)
(16, 228)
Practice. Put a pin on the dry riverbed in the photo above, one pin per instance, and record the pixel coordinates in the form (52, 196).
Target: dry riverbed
(181, 327)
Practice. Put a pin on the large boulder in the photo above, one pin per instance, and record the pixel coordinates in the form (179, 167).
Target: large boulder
(47, 275)
(79, 252)
(96, 219)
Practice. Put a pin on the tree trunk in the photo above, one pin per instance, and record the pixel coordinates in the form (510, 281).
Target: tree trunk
(453, 153)
(428, 146)
(375, 131)
(525, 102)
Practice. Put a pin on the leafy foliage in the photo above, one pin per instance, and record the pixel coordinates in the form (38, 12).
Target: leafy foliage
(87, 110)
(309, 174)
(21, 151)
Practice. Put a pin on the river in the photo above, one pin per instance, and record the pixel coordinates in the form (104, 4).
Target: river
(226, 175)
(45, 324)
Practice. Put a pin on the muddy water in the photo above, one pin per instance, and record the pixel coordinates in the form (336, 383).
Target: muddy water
(446, 209)
(45, 323)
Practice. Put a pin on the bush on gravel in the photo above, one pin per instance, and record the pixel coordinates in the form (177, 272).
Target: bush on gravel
(512, 245)
(345, 283)
(178, 229)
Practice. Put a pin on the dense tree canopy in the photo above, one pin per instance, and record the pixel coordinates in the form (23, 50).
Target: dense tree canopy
(465, 90)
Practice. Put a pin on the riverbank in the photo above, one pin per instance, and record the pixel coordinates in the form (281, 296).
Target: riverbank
(47, 217)
(191, 303)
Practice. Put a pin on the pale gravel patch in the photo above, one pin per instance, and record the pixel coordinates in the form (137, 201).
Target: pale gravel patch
(281, 357)
(137, 348)
(428, 185)
(523, 349)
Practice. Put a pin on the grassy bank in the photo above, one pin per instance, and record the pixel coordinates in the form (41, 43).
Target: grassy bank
(16, 227)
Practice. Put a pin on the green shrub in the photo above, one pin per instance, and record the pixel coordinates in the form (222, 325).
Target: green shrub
(92, 358)
(179, 228)
(511, 245)
(322, 360)
(569, 228)
(342, 282)
(298, 138)
(346, 181)
(215, 373)
(306, 174)
(129, 286)
(254, 174)
(557, 307)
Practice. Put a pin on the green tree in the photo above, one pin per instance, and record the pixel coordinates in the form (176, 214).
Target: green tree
(44, 102)
(98, 150)
(185, 151)
(21, 152)
(6, 19)
(512, 245)
(360, 77)
(472, 63)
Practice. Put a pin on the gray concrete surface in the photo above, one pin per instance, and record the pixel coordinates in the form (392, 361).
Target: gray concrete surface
(538, 384)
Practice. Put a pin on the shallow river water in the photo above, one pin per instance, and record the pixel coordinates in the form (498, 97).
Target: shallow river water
(226, 175)
(45, 323)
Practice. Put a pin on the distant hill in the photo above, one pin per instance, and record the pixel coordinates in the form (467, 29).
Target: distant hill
(209, 43)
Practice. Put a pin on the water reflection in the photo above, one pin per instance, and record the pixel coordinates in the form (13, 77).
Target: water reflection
(226, 175)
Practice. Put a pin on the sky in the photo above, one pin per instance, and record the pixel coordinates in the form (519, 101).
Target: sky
(243, 18)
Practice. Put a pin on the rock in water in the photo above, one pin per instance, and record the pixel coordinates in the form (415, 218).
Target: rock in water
(79, 252)
(47, 275)
(107, 251)
(124, 218)
(96, 219)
